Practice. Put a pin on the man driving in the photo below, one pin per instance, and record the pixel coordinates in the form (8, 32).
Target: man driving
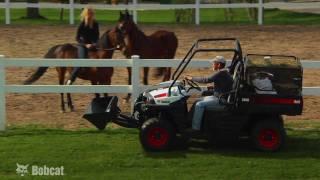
(222, 82)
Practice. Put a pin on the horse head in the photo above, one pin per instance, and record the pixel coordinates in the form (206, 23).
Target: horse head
(111, 40)
(126, 23)
(126, 26)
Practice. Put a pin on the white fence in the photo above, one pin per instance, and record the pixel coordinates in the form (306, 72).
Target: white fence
(140, 7)
(135, 88)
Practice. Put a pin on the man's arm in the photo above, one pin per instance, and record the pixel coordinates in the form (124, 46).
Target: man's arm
(208, 79)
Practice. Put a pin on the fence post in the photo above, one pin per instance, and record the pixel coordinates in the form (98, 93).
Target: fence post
(2, 95)
(197, 14)
(71, 12)
(135, 15)
(135, 78)
(7, 11)
(260, 12)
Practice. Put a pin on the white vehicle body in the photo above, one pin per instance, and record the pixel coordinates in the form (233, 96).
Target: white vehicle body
(160, 94)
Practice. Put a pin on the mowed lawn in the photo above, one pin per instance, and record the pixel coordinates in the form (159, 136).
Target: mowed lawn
(117, 154)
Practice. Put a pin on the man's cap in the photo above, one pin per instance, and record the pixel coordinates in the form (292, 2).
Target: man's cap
(218, 59)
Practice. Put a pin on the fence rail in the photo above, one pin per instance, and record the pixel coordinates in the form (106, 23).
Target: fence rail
(7, 5)
(135, 88)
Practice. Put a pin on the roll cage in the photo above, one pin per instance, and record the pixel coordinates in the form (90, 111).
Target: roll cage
(237, 57)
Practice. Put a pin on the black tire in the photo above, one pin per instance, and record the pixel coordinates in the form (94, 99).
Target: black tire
(268, 135)
(156, 135)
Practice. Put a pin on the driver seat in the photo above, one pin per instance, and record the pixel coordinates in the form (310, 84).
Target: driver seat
(231, 96)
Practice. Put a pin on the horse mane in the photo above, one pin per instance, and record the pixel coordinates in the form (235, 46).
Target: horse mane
(103, 41)
(137, 36)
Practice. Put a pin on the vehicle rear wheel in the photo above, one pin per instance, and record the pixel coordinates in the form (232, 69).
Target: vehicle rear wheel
(268, 135)
(156, 135)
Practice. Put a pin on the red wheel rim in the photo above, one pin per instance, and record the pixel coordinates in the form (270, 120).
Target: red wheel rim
(158, 137)
(269, 138)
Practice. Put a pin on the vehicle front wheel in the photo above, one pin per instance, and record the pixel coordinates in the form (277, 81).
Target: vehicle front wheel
(268, 135)
(156, 135)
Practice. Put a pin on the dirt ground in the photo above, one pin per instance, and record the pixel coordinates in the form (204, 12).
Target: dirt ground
(44, 109)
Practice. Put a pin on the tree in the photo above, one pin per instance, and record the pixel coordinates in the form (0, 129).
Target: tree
(184, 15)
(66, 2)
(252, 12)
(33, 13)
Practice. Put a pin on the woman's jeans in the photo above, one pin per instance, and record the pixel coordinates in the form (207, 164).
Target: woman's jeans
(82, 55)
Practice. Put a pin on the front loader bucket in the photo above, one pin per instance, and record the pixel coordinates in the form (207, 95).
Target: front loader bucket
(101, 111)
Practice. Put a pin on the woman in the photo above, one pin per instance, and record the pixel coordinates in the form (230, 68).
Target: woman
(87, 37)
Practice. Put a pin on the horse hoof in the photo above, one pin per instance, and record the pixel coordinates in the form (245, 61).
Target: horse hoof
(62, 111)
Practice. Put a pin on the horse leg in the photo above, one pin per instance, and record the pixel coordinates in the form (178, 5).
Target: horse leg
(103, 83)
(61, 73)
(145, 75)
(167, 74)
(108, 82)
(129, 83)
(159, 71)
(70, 105)
(95, 83)
(63, 109)
(69, 99)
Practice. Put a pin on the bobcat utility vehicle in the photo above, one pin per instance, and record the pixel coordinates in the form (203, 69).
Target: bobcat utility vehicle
(265, 87)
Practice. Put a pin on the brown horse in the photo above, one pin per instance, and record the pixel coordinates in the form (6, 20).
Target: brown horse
(107, 43)
(159, 45)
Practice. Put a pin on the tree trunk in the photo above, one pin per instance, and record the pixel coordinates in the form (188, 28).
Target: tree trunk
(114, 2)
(62, 10)
(228, 12)
(252, 12)
(61, 14)
(184, 15)
(33, 13)
(81, 1)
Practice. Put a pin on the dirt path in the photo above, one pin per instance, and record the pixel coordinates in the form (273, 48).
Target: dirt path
(34, 41)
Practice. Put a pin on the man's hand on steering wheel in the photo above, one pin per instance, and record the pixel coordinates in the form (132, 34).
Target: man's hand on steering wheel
(192, 84)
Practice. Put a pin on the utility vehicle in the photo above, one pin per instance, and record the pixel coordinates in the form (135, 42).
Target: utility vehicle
(265, 87)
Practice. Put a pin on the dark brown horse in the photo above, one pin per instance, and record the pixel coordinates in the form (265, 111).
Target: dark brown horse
(107, 43)
(159, 45)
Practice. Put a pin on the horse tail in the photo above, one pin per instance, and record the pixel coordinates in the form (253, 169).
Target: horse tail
(36, 75)
(41, 70)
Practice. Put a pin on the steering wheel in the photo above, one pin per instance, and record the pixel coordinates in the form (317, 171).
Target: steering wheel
(192, 84)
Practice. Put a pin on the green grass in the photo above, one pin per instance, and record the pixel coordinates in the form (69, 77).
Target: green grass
(52, 17)
(207, 16)
(117, 154)
(287, 17)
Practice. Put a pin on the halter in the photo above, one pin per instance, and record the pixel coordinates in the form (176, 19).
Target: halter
(109, 49)
(117, 47)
